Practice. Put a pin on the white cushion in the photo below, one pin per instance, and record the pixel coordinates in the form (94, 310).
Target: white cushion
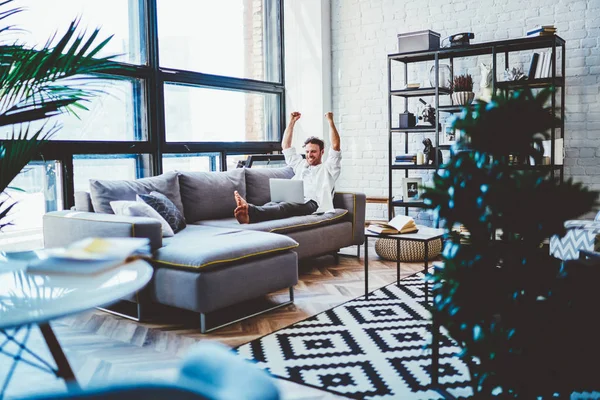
(140, 209)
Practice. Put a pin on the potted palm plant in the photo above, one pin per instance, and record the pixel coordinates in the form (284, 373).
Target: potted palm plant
(37, 85)
(524, 320)
(462, 90)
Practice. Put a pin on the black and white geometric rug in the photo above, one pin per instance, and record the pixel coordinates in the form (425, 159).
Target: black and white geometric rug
(365, 349)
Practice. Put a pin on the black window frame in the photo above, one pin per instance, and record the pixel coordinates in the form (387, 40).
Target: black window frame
(154, 78)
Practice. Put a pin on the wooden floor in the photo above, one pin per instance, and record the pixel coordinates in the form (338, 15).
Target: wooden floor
(105, 348)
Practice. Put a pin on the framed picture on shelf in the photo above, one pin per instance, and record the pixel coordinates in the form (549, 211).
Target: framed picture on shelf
(411, 189)
(448, 134)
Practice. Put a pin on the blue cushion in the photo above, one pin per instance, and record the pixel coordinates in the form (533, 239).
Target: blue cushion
(213, 370)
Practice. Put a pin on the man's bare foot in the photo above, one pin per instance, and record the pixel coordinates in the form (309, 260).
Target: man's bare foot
(241, 214)
(239, 200)
(241, 211)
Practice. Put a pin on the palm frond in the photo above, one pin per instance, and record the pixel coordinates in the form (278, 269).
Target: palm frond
(4, 211)
(10, 12)
(16, 152)
(28, 113)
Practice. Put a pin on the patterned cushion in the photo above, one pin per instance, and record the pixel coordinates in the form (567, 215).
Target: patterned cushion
(568, 246)
(166, 209)
(410, 251)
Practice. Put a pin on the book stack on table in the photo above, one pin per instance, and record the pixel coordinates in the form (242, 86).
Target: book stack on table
(398, 224)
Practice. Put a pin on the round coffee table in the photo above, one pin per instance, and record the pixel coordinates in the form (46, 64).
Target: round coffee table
(36, 298)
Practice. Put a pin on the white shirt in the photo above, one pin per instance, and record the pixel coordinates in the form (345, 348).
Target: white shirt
(319, 180)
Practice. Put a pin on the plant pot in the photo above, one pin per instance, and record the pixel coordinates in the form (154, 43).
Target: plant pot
(462, 98)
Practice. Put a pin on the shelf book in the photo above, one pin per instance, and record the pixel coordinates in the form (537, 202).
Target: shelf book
(544, 30)
(540, 65)
(398, 224)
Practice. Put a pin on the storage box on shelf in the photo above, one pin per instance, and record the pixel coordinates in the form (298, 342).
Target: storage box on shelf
(438, 91)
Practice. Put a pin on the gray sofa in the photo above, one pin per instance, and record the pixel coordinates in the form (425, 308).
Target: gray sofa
(214, 262)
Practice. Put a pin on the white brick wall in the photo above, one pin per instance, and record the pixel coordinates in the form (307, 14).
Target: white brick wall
(364, 32)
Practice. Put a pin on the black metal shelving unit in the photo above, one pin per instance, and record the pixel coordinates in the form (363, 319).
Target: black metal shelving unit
(555, 43)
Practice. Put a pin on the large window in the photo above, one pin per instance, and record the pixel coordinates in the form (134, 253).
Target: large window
(198, 83)
(236, 38)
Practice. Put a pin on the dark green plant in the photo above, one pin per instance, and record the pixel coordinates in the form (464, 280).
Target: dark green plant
(38, 84)
(462, 83)
(523, 319)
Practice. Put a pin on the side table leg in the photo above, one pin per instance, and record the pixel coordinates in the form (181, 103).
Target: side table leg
(398, 262)
(435, 351)
(366, 267)
(426, 243)
(63, 367)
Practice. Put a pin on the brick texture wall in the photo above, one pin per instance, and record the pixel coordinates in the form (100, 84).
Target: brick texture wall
(254, 67)
(364, 32)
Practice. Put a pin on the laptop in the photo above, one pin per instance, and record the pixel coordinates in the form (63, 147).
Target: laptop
(287, 190)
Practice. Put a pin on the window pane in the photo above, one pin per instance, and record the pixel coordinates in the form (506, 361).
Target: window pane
(121, 18)
(266, 161)
(39, 191)
(235, 161)
(238, 38)
(191, 162)
(115, 115)
(108, 166)
(198, 114)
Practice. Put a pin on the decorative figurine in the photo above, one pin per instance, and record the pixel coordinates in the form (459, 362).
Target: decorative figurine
(486, 83)
(515, 74)
(429, 152)
(428, 113)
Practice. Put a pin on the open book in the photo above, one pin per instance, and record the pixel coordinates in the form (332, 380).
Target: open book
(90, 256)
(398, 224)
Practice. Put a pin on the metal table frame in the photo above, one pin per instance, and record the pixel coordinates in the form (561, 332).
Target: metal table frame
(424, 235)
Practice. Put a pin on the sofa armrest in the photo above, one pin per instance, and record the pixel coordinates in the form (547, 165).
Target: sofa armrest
(356, 204)
(62, 228)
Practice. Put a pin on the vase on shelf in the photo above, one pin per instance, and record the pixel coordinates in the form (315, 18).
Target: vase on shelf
(445, 76)
(462, 98)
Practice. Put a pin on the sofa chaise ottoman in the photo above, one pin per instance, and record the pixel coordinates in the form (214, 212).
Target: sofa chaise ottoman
(214, 262)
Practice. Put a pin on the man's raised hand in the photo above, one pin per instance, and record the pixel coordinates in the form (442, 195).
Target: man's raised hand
(295, 116)
(329, 116)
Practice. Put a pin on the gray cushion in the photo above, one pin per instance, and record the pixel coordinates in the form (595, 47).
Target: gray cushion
(208, 195)
(257, 183)
(204, 246)
(103, 192)
(286, 225)
(83, 202)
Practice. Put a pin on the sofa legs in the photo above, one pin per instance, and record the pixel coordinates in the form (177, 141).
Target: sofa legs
(336, 256)
(205, 329)
(137, 311)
